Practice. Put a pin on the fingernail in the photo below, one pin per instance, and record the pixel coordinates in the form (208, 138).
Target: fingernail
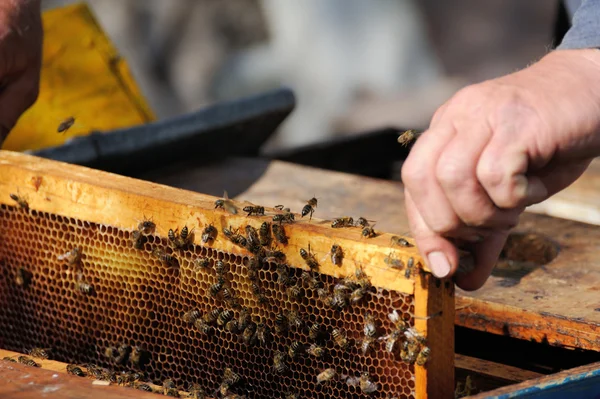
(439, 264)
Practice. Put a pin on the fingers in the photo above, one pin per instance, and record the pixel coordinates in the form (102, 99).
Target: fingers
(16, 98)
(439, 253)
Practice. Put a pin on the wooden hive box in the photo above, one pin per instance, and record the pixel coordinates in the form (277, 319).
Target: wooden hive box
(116, 294)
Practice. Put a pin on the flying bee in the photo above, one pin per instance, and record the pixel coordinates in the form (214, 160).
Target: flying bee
(315, 332)
(226, 204)
(191, 316)
(281, 323)
(65, 124)
(40, 353)
(21, 201)
(370, 326)
(326, 375)
(294, 319)
(287, 217)
(309, 258)
(316, 350)
(309, 208)
(249, 334)
(264, 233)
(220, 267)
(366, 384)
(164, 257)
(214, 289)
(263, 333)
(340, 339)
(368, 232)
(294, 292)
(201, 263)
(147, 227)
(75, 370)
(399, 241)
(408, 137)
(72, 257)
(279, 233)
(410, 267)
(423, 356)
(367, 345)
(336, 254)
(224, 317)
(23, 277)
(209, 233)
(345, 221)
(204, 326)
(295, 349)
(255, 210)
(137, 239)
(27, 361)
(279, 363)
(393, 262)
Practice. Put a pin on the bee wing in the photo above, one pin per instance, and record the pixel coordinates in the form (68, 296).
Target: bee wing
(230, 207)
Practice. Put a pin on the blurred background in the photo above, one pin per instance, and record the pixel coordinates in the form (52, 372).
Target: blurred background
(355, 65)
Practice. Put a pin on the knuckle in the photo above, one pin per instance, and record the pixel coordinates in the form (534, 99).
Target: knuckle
(445, 226)
(451, 173)
(490, 173)
(413, 173)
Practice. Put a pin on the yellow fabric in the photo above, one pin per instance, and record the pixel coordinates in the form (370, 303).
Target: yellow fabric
(83, 76)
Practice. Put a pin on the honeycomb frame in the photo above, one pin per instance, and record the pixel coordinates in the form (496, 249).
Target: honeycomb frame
(92, 205)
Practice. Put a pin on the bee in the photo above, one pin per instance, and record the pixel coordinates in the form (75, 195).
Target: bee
(201, 263)
(312, 282)
(137, 239)
(168, 384)
(362, 222)
(73, 257)
(220, 267)
(279, 233)
(409, 351)
(326, 375)
(254, 247)
(256, 210)
(21, 201)
(226, 204)
(244, 318)
(209, 233)
(224, 317)
(368, 232)
(340, 339)
(309, 258)
(191, 316)
(9, 359)
(413, 335)
(230, 297)
(147, 227)
(137, 356)
(339, 300)
(294, 319)
(370, 326)
(393, 262)
(423, 356)
(366, 345)
(274, 256)
(291, 395)
(235, 238)
(252, 235)
(75, 370)
(85, 288)
(295, 349)
(294, 292)
(145, 387)
(263, 332)
(398, 322)
(345, 221)
(23, 277)
(232, 326)
(164, 257)
(309, 208)
(279, 363)
(337, 254)
(256, 290)
(196, 392)
(408, 136)
(358, 294)
(283, 274)
(399, 241)
(315, 332)
(264, 232)
(179, 240)
(216, 287)
(410, 267)
(118, 355)
(172, 392)
(65, 124)
(27, 361)
(391, 340)
(287, 217)
(40, 353)
(212, 316)
(204, 326)
(281, 323)
(316, 350)
(366, 385)
(249, 334)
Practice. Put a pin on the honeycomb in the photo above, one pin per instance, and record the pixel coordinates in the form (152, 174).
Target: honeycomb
(138, 300)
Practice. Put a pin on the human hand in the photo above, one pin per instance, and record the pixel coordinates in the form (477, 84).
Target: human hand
(495, 148)
(20, 59)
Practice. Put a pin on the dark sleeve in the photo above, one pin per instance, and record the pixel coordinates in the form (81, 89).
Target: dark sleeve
(585, 30)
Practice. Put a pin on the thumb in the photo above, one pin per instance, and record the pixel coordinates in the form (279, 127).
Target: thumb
(440, 253)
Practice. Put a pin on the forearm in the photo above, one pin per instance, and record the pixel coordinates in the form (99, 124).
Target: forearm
(585, 31)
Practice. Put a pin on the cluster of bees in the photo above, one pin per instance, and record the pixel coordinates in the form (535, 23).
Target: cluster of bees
(403, 340)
